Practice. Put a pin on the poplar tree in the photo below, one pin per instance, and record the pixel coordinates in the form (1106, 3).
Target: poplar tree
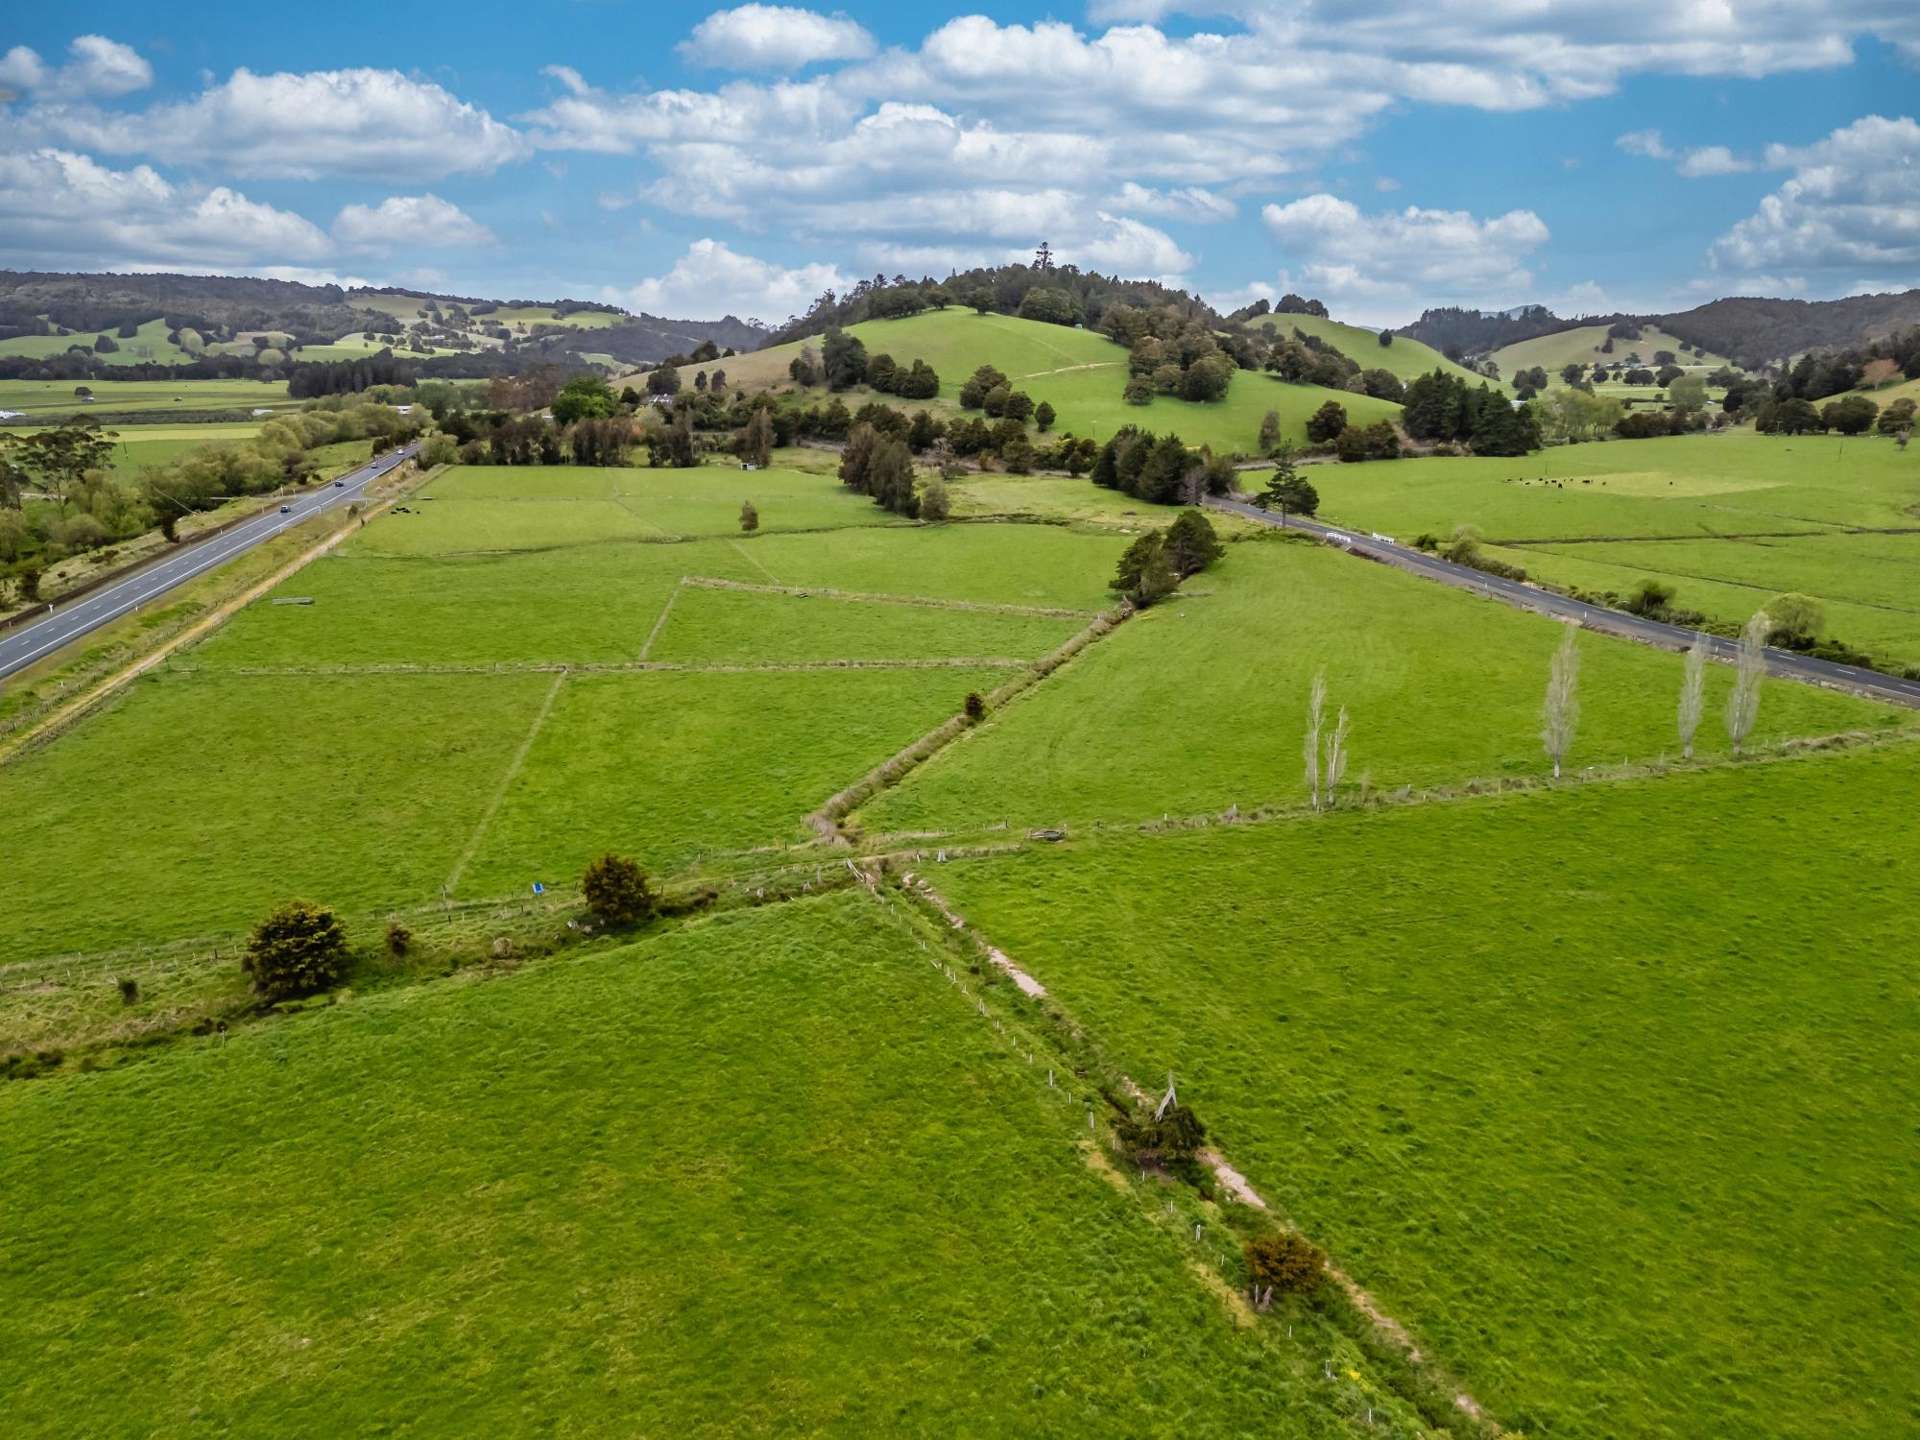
(1560, 714)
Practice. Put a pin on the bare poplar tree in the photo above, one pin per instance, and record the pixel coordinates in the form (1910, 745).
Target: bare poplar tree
(1743, 705)
(1316, 716)
(1693, 694)
(1337, 756)
(1560, 713)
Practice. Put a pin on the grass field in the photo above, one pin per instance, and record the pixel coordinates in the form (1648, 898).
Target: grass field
(197, 802)
(150, 344)
(142, 445)
(1581, 346)
(1406, 357)
(1200, 705)
(337, 721)
(1605, 1093)
(115, 396)
(1079, 372)
(1721, 510)
(872, 1216)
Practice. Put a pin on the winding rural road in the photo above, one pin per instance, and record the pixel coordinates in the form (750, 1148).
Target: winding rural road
(1784, 663)
(63, 624)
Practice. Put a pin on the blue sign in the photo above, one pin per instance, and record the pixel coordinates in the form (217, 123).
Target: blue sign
(538, 888)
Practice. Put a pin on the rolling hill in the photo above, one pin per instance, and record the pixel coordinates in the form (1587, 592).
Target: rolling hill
(1080, 373)
(1581, 346)
(1406, 357)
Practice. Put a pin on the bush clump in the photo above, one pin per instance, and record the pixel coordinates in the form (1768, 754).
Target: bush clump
(976, 707)
(617, 891)
(300, 949)
(399, 939)
(1285, 1263)
(1171, 1139)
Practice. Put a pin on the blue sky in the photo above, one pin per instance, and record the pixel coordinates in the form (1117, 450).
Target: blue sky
(1381, 154)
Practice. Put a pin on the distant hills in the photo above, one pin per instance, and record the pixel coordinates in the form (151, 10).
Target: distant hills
(1751, 331)
(216, 311)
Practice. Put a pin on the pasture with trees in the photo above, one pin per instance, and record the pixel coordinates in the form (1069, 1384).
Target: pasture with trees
(863, 767)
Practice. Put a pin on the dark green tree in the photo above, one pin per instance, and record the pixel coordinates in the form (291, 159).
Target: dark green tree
(298, 950)
(1327, 422)
(617, 892)
(1192, 544)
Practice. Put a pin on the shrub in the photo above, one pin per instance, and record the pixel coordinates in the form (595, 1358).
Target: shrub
(1286, 1263)
(1651, 598)
(749, 517)
(1173, 1138)
(399, 939)
(617, 891)
(936, 504)
(129, 989)
(300, 949)
(976, 708)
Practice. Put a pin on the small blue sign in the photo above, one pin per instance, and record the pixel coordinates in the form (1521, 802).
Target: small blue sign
(538, 888)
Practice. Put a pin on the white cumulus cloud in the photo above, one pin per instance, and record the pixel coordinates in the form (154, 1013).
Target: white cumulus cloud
(1851, 204)
(95, 66)
(713, 280)
(60, 207)
(1375, 265)
(407, 221)
(775, 37)
(362, 123)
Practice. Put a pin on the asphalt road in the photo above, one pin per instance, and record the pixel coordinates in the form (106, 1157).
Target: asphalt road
(1783, 663)
(65, 623)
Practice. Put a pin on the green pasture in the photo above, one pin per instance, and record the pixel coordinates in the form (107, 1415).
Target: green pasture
(116, 396)
(1080, 373)
(739, 627)
(1731, 483)
(765, 1174)
(1200, 704)
(1581, 346)
(148, 346)
(1729, 519)
(531, 315)
(1406, 357)
(1605, 1093)
(671, 765)
(197, 802)
(1047, 566)
(139, 446)
(704, 500)
(355, 346)
(581, 605)
(549, 771)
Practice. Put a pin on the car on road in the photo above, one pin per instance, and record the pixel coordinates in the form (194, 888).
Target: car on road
(286, 509)
(339, 484)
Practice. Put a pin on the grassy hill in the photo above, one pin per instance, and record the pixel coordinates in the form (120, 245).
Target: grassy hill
(1405, 357)
(150, 344)
(1582, 346)
(1081, 373)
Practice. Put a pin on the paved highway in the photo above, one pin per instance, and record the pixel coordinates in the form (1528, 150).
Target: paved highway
(64, 623)
(1784, 663)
